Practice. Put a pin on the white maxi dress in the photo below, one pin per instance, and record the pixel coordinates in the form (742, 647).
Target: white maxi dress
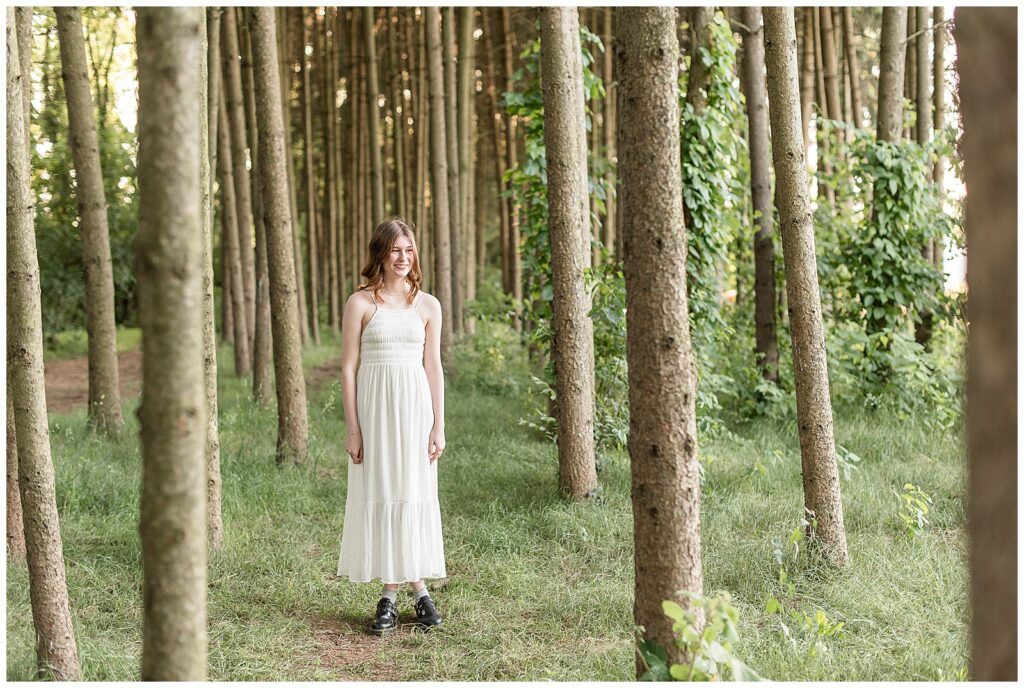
(392, 528)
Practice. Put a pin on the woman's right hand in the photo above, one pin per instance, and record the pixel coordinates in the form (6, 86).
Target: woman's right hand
(354, 447)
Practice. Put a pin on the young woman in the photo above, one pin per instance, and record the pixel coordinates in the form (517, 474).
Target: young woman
(394, 412)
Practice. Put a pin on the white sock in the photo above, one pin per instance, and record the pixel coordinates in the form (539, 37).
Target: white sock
(417, 594)
(390, 594)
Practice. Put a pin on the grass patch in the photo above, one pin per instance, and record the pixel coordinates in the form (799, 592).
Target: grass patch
(538, 588)
(75, 343)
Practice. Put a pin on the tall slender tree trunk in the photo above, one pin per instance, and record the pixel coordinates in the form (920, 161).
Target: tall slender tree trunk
(938, 93)
(56, 652)
(814, 407)
(565, 140)
(466, 80)
(399, 116)
(831, 73)
(910, 73)
(454, 191)
(609, 128)
(214, 524)
(15, 517)
(261, 353)
(232, 74)
(329, 249)
(923, 101)
(422, 160)
(752, 80)
(890, 78)
(493, 113)
(293, 429)
(806, 73)
(172, 415)
(662, 374)
(104, 396)
(372, 93)
(307, 106)
(339, 185)
(233, 260)
(439, 186)
(513, 162)
(850, 50)
(825, 191)
(986, 43)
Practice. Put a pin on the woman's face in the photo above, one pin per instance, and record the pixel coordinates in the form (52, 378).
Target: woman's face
(399, 261)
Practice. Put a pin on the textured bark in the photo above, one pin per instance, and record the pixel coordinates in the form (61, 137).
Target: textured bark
(227, 324)
(372, 93)
(986, 42)
(228, 210)
(466, 80)
(23, 21)
(452, 152)
(214, 523)
(261, 356)
(938, 93)
(422, 153)
(814, 407)
(753, 82)
(890, 78)
(806, 73)
(910, 72)
(494, 115)
(923, 106)
(569, 230)
(104, 397)
(340, 127)
(213, 90)
(307, 143)
(608, 237)
(56, 652)
(853, 69)
(825, 192)
(293, 429)
(698, 74)
(329, 249)
(439, 187)
(399, 114)
(172, 414)
(232, 79)
(831, 73)
(516, 271)
(662, 375)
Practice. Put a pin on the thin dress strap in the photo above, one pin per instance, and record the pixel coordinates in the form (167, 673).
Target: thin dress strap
(372, 300)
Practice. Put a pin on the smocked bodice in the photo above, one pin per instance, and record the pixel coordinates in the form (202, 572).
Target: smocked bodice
(393, 335)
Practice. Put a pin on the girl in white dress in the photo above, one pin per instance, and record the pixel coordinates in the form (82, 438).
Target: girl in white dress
(394, 414)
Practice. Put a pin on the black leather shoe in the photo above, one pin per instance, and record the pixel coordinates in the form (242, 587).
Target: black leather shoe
(426, 612)
(387, 617)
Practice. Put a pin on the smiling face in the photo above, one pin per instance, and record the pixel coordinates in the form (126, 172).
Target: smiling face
(401, 257)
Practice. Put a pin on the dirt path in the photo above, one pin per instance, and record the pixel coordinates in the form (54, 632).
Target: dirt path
(67, 381)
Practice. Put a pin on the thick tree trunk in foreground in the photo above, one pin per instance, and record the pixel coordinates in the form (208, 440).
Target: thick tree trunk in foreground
(439, 187)
(104, 396)
(293, 427)
(754, 88)
(662, 374)
(233, 260)
(56, 652)
(986, 41)
(569, 229)
(891, 61)
(214, 523)
(15, 518)
(172, 415)
(814, 407)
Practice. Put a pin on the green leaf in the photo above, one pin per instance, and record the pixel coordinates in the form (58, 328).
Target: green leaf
(672, 610)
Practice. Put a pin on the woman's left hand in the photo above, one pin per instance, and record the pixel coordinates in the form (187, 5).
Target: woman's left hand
(435, 444)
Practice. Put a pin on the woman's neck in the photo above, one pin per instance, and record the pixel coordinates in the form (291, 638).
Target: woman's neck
(395, 287)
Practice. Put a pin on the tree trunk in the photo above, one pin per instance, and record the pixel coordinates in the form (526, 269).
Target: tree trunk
(825, 191)
(806, 73)
(104, 396)
(938, 93)
(261, 356)
(452, 151)
(439, 186)
(493, 113)
(698, 74)
(986, 43)
(214, 524)
(831, 73)
(923, 106)
(752, 80)
(423, 153)
(609, 128)
(399, 116)
(814, 407)
(172, 414)
(307, 106)
(293, 431)
(516, 273)
(466, 81)
(910, 73)
(565, 140)
(23, 21)
(15, 519)
(850, 49)
(232, 76)
(372, 94)
(330, 197)
(662, 375)
(340, 129)
(228, 210)
(890, 78)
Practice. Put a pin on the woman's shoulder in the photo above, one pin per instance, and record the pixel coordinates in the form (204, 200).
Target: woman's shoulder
(429, 300)
(360, 297)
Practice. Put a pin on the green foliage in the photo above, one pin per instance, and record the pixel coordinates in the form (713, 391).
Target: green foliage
(913, 510)
(75, 343)
(706, 636)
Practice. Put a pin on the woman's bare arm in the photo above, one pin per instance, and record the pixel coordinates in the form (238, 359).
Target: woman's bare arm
(432, 359)
(351, 330)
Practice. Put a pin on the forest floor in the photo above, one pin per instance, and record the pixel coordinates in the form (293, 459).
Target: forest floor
(538, 587)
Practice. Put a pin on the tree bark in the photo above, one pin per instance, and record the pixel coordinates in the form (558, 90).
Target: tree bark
(104, 396)
(516, 273)
(372, 94)
(825, 191)
(15, 518)
(210, 35)
(439, 186)
(753, 82)
(172, 414)
(493, 113)
(986, 42)
(261, 352)
(609, 128)
(232, 76)
(923, 106)
(293, 430)
(852, 67)
(831, 73)
(330, 246)
(452, 151)
(698, 74)
(662, 375)
(814, 407)
(565, 140)
(399, 115)
(890, 78)
(466, 81)
(938, 93)
(806, 73)
(910, 73)
(307, 107)
(56, 652)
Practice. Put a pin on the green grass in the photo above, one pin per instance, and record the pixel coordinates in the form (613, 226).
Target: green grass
(538, 588)
(75, 343)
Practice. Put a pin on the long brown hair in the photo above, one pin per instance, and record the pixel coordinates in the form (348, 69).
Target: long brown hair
(381, 243)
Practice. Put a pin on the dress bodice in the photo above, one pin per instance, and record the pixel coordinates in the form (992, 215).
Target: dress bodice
(393, 335)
